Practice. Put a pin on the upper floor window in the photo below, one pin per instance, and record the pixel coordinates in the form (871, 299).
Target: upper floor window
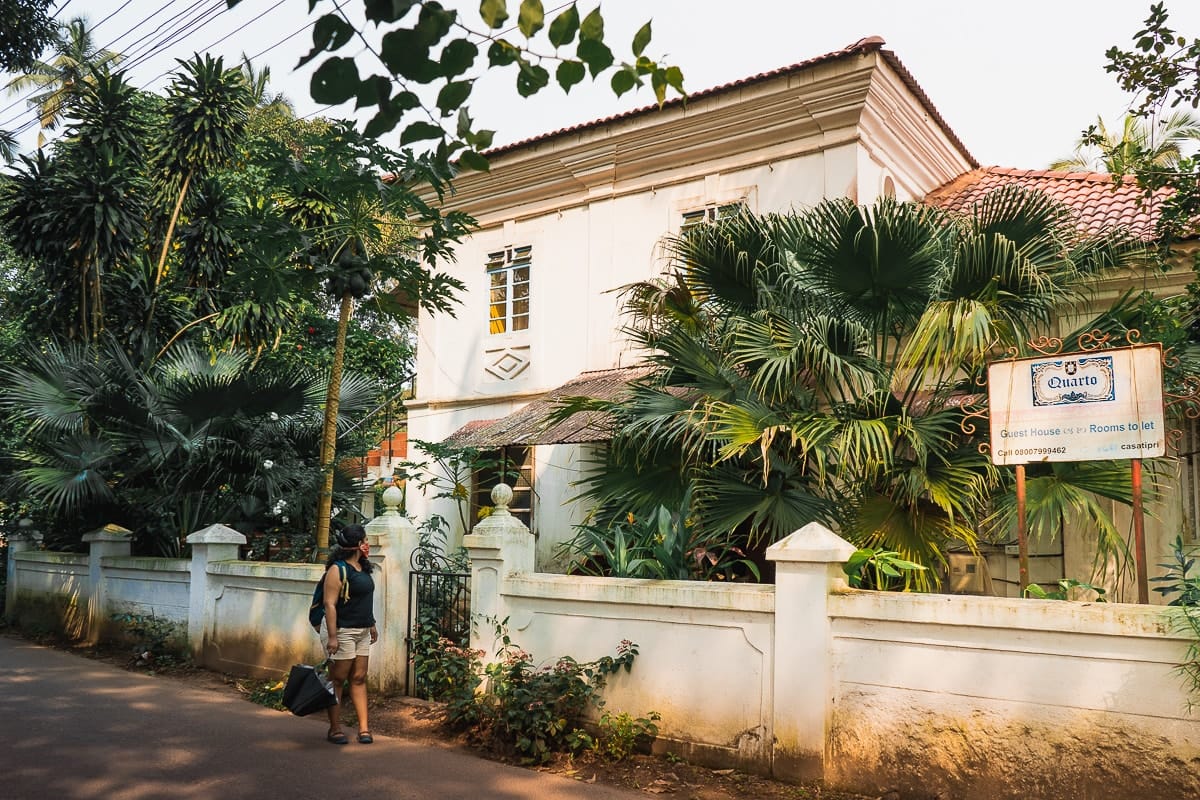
(709, 214)
(508, 282)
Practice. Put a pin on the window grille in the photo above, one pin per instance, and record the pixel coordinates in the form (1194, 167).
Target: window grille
(508, 285)
(512, 465)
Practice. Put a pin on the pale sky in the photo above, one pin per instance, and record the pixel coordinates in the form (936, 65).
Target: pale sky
(1016, 80)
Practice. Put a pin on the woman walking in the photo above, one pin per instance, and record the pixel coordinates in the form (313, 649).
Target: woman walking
(349, 626)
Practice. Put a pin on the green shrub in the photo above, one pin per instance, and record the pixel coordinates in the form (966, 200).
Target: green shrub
(447, 672)
(523, 709)
(622, 734)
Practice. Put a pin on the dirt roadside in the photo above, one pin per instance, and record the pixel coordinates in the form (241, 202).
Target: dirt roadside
(421, 721)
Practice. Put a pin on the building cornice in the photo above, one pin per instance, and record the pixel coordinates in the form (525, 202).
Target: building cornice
(791, 114)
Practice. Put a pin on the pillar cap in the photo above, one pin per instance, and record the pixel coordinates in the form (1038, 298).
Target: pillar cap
(216, 534)
(814, 543)
(109, 533)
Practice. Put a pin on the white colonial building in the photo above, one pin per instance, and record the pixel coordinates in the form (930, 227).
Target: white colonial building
(567, 218)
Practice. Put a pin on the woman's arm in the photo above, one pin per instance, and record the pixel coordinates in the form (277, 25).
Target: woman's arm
(333, 587)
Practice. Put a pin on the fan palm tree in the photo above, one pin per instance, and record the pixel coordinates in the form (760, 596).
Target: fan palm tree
(813, 366)
(192, 440)
(76, 56)
(1140, 144)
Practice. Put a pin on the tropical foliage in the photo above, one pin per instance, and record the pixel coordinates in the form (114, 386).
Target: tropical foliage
(426, 44)
(164, 450)
(1141, 144)
(816, 366)
(1162, 68)
(57, 81)
(173, 245)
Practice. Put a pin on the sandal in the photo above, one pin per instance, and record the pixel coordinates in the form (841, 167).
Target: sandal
(336, 737)
(365, 737)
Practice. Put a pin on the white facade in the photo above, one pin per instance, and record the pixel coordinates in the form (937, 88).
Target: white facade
(595, 203)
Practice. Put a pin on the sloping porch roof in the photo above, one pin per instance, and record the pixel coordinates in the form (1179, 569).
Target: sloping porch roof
(1100, 202)
(530, 424)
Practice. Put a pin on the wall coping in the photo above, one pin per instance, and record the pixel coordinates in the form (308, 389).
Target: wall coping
(1062, 617)
(147, 563)
(50, 557)
(751, 597)
(265, 569)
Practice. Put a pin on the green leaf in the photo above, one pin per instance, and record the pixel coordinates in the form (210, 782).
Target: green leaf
(452, 96)
(373, 91)
(531, 79)
(434, 23)
(502, 53)
(570, 73)
(658, 80)
(641, 39)
(386, 119)
(386, 10)
(564, 27)
(480, 140)
(531, 17)
(419, 131)
(494, 13)
(458, 56)
(405, 53)
(675, 79)
(593, 26)
(473, 160)
(622, 81)
(327, 30)
(595, 54)
(335, 81)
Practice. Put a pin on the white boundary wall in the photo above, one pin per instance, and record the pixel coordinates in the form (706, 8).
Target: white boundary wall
(927, 695)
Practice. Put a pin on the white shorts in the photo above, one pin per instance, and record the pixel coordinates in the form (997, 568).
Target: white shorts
(352, 642)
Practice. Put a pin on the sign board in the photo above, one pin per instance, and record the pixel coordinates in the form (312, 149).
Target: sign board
(1086, 406)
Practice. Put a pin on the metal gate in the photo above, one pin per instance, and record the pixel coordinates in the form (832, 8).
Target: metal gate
(439, 600)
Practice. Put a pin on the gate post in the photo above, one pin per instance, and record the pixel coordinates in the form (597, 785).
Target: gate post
(499, 546)
(807, 567)
(393, 539)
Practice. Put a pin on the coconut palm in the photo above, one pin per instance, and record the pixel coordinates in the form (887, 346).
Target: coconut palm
(1140, 144)
(813, 366)
(76, 57)
(8, 147)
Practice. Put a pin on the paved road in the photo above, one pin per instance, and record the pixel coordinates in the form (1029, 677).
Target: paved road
(75, 728)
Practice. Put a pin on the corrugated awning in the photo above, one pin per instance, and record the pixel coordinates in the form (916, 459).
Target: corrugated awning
(531, 423)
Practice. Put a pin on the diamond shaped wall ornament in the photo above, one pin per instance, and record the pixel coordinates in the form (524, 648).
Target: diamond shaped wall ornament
(506, 363)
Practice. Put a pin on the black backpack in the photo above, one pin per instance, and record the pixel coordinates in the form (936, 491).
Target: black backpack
(316, 612)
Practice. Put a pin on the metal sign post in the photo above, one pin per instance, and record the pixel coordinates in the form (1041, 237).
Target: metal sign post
(1022, 535)
(1139, 533)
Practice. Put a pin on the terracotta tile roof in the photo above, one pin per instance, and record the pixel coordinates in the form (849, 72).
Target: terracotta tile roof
(1091, 195)
(863, 46)
(530, 423)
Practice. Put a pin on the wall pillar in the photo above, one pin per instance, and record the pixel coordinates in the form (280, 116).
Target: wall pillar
(393, 539)
(499, 546)
(18, 542)
(109, 541)
(807, 567)
(209, 545)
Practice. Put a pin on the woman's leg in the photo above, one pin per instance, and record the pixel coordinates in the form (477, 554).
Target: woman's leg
(339, 671)
(358, 691)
